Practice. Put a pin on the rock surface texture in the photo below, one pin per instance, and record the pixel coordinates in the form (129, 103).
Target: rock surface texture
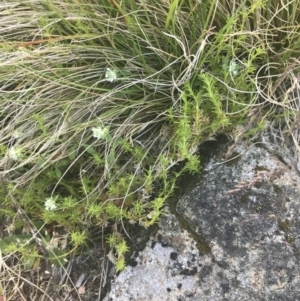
(248, 211)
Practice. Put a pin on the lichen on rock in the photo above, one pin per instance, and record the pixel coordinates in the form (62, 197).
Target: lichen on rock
(249, 214)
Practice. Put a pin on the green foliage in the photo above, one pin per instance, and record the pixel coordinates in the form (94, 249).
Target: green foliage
(120, 264)
(113, 211)
(78, 238)
(23, 245)
(12, 244)
(97, 111)
(117, 243)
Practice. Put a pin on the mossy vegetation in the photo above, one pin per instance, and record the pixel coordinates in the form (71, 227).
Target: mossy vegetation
(101, 99)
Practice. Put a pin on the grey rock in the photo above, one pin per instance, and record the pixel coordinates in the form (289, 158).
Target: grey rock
(248, 210)
(163, 272)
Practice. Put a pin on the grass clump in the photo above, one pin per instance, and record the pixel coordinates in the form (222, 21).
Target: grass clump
(100, 100)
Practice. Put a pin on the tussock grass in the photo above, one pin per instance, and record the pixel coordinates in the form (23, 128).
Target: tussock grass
(100, 100)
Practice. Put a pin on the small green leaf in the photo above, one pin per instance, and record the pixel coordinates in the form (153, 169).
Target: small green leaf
(41, 161)
(30, 262)
(111, 157)
(118, 141)
(89, 149)
(57, 172)
(18, 240)
(18, 224)
(72, 154)
(58, 257)
(225, 64)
